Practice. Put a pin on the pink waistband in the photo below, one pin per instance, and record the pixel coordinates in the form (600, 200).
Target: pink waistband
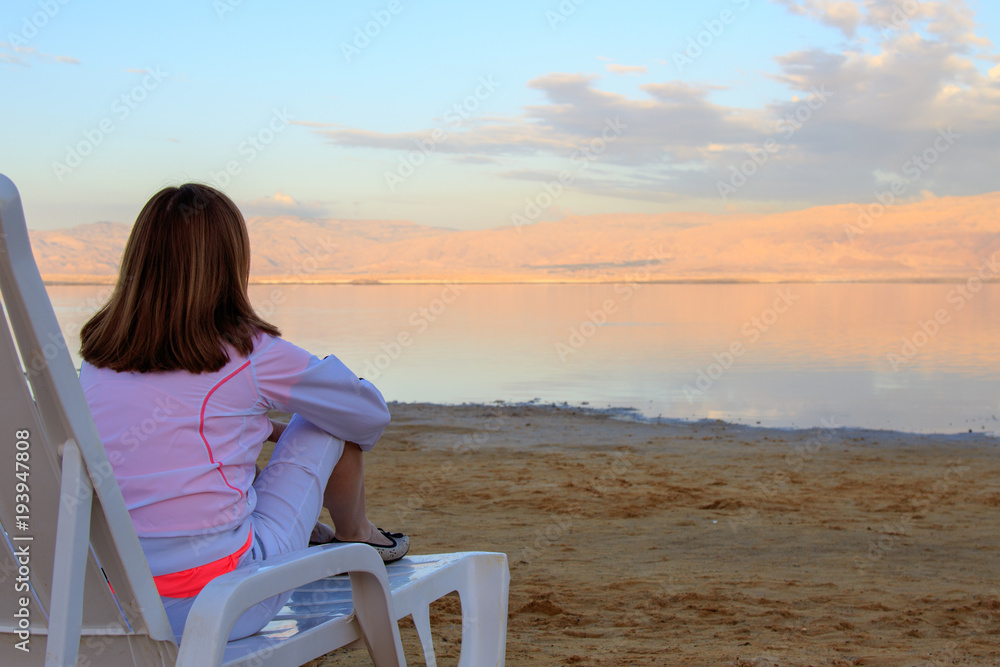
(188, 583)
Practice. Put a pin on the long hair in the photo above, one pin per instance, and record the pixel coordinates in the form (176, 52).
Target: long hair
(182, 290)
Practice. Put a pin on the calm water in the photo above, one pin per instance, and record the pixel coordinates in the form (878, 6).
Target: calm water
(922, 358)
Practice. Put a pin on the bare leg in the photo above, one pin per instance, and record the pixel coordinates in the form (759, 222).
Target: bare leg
(345, 499)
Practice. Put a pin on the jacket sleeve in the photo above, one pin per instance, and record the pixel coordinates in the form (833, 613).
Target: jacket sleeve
(324, 391)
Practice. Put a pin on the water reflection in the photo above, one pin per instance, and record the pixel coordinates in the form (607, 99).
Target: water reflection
(783, 355)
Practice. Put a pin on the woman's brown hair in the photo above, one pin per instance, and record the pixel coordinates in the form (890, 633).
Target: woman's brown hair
(182, 290)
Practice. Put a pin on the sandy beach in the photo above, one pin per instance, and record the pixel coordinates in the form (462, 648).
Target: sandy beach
(706, 543)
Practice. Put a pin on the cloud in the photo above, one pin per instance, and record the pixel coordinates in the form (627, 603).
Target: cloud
(843, 15)
(23, 55)
(626, 69)
(848, 119)
(308, 123)
(474, 159)
(282, 204)
(951, 20)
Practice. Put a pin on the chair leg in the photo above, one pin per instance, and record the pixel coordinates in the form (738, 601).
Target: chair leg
(422, 621)
(372, 606)
(484, 612)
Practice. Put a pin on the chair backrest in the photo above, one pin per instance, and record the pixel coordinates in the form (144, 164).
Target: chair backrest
(61, 511)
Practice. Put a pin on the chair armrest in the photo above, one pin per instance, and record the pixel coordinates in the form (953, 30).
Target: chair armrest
(224, 599)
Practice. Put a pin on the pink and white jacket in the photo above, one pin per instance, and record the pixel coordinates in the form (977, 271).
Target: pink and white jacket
(183, 445)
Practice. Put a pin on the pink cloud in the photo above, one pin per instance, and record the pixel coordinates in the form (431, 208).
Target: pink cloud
(626, 69)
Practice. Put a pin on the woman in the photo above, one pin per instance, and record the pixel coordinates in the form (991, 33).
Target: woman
(179, 372)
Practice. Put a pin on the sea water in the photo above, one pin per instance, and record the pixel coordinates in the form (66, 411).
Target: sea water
(909, 357)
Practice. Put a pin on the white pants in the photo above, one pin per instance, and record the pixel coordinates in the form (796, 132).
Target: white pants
(289, 499)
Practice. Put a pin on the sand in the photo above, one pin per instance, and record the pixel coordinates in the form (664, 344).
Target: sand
(707, 543)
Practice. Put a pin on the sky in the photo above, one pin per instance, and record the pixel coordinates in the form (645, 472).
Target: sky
(476, 115)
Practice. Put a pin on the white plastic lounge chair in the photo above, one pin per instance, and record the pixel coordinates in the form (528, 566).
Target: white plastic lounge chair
(66, 535)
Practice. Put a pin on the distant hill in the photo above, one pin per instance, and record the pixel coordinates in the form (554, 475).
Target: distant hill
(936, 239)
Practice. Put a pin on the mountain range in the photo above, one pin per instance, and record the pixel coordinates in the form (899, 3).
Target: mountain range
(943, 238)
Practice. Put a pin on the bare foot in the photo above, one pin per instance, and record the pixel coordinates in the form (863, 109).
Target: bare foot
(373, 536)
(321, 534)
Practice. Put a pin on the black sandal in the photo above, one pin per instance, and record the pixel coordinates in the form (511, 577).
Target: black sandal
(390, 553)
